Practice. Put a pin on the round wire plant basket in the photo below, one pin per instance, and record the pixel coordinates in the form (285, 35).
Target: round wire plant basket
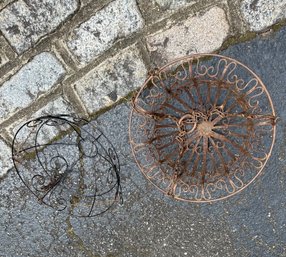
(68, 164)
(202, 127)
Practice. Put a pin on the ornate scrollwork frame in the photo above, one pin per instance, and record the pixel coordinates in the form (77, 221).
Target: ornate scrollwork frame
(202, 127)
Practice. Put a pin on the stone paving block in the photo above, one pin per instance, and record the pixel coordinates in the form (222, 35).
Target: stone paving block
(261, 14)
(24, 22)
(201, 34)
(31, 81)
(3, 56)
(56, 107)
(113, 79)
(117, 20)
(5, 158)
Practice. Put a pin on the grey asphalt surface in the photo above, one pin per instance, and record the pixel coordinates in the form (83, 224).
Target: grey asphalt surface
(249, 224)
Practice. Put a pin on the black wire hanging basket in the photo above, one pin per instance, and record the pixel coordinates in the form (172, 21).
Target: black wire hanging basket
(68, 164)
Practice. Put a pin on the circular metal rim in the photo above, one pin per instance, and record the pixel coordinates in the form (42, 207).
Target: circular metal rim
(273, 131)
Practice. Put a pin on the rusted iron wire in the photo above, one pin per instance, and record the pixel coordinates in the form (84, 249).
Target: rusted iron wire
(202, 127)
(68, 164)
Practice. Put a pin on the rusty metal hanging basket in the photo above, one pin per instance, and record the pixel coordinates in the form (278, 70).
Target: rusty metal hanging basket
(68, 164)
(202, 127)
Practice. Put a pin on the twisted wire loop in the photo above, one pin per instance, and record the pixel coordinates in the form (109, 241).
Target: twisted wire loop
(68, 164)
(202, 127)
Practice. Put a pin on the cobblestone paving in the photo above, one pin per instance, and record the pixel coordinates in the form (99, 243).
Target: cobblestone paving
(82, 56)
(85, 55)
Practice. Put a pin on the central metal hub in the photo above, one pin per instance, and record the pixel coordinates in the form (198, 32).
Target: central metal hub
(205, 128)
